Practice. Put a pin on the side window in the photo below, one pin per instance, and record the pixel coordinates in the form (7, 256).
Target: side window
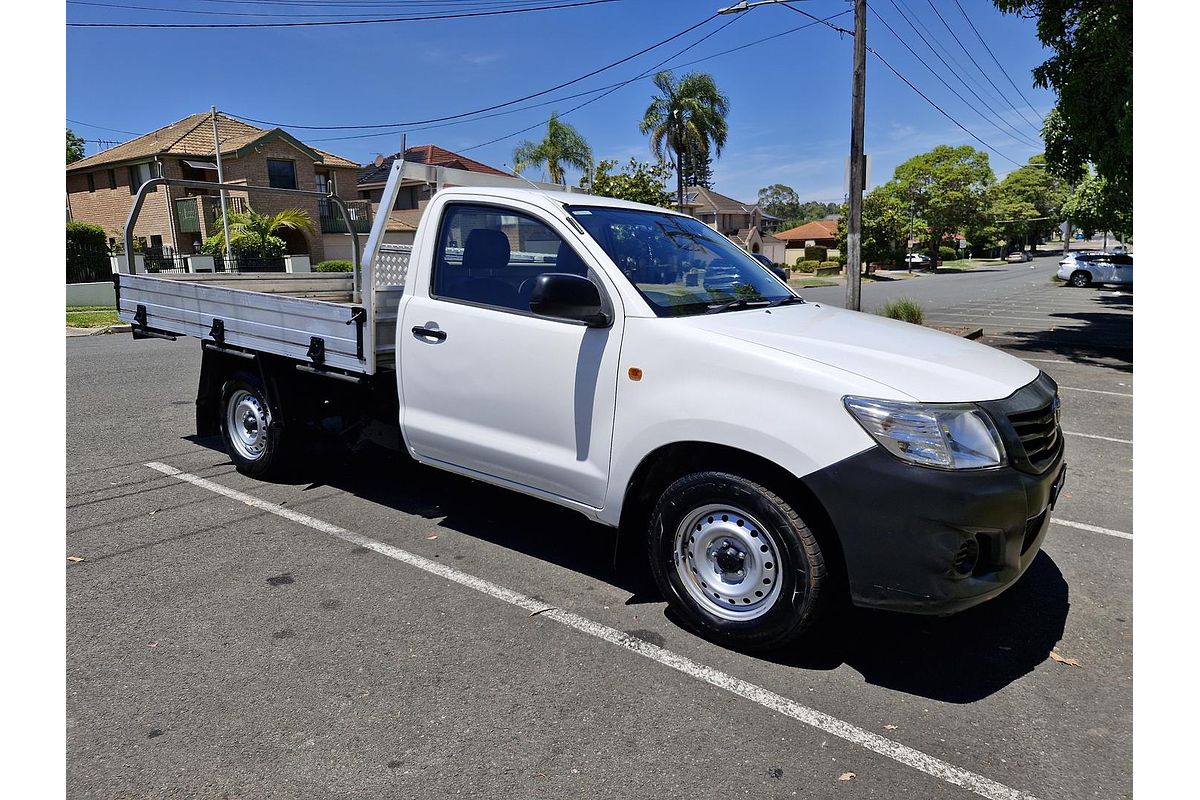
(281, 174)
(492, 257)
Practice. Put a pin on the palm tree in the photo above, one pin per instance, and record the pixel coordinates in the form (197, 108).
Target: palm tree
(686, 117)
(562, 147)
(253, 231)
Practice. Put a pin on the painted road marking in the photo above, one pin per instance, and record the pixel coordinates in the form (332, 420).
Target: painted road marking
(942, 770)
(1094, 436)
(1094, 391)
(1093, 528)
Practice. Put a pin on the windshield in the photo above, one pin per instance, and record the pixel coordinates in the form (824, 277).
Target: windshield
(680, 265)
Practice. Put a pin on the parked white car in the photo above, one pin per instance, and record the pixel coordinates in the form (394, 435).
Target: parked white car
(917, 258)
(1084, 269)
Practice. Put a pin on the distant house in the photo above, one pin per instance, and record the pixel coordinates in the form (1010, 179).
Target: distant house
(101, 188)
(818, 233)
(414, 195)
(745, 223)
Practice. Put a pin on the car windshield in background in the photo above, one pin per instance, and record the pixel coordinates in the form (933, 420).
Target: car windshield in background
(680, 265)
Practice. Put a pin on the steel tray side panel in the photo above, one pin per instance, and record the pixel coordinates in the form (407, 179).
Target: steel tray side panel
(270, 323)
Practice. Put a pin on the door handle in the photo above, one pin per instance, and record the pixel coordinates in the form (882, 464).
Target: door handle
(422, 332)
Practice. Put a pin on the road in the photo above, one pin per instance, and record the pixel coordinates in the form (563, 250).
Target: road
(233, 638)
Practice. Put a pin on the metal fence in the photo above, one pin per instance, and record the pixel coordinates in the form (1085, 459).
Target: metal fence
(164, 260)
(87, 265)
(248, 264)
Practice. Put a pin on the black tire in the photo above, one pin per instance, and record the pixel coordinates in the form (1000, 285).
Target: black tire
(1080, 279)
(800, 576)
(266, 458)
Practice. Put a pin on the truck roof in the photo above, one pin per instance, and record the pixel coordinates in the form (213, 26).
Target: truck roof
(550, 199)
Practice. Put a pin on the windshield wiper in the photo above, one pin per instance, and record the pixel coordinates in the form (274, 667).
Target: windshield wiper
(734, 305)
(783, 301)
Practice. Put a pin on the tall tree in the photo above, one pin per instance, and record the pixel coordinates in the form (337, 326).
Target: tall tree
(1093, 208)
(686, 116)
(74, 146)
(886, 223)
(779, 200)
(1027, 204)
(563, 147)
(697, 169)
(948, 188)
(1092, 72)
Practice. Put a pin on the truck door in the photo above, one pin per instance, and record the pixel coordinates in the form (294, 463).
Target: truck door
(489, 386)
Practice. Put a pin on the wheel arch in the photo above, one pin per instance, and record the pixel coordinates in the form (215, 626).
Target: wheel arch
(662, 466)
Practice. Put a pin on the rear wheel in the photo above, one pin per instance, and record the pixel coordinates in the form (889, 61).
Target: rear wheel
(1080, 279)
(250, 428)
(736, 561)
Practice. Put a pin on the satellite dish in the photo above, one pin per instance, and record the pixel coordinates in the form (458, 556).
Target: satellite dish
(379, 160)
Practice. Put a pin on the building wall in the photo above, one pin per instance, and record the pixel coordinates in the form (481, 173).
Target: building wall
(109, 208)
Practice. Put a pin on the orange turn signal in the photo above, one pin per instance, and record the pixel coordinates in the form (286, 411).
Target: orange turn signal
(635, 373)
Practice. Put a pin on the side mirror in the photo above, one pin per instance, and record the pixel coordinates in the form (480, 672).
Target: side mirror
(571, 297)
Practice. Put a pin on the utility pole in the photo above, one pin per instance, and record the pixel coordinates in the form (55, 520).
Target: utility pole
(221, 179)
(912, 224)
(857, 164)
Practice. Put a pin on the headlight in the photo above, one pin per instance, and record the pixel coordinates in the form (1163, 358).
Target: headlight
(943, 436)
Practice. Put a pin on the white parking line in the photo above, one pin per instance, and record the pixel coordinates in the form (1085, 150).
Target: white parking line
(833, 726)
(1092, 528)
(1102, 438)
(1094, 391)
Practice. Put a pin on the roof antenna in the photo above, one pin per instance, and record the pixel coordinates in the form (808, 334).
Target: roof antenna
(540, 190)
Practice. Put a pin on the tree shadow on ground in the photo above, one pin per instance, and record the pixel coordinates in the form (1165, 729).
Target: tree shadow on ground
(1104, 340)
(957, 659)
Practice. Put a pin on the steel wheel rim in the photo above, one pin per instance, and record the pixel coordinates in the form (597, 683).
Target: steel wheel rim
(728, 562)
(247, 420)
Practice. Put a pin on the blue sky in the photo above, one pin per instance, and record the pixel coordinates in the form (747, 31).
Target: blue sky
(790, 96)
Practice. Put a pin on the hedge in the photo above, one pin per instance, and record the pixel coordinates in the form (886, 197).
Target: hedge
(826, 264)
(947, 253)
(816, 253)
(807, 266)
(86, 236)
(334, 265)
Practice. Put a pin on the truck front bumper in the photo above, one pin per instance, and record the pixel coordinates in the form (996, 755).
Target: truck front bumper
(930, 541)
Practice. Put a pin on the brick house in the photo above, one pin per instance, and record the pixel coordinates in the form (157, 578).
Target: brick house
(101, 188)
(413, 195)
(745, 223)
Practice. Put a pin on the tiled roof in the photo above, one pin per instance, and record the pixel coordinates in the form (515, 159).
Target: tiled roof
(192, 136)
(817, 229)
(405, 220)
(425, 154)
(331, 160)
(707, 201)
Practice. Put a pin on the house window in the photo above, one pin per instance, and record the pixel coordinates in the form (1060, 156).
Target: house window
(281, 174)
(91, 178)
(112, 179)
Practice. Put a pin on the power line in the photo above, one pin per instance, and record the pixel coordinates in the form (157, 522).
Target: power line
(895, 72)
(1016, 134)
(100, 127)
(998, 64)
(509, 4)
(610, 91)
(326, 23)
(505, 104)
(1003, 96)
(577, 94)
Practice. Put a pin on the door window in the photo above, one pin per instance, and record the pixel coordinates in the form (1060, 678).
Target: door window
(491, 256)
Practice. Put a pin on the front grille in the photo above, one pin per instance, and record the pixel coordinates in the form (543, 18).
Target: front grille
(1039, 434)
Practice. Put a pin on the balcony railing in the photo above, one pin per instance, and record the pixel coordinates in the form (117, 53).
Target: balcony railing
(360, 217)
(189, 210)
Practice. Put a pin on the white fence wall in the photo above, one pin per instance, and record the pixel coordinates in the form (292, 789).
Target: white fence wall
(91, 294)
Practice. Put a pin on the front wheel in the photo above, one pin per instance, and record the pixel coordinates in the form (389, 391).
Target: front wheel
(249, 427)
(736, 561)
(1081, 280)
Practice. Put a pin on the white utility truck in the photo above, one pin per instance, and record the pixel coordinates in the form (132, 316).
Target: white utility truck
(773, 456)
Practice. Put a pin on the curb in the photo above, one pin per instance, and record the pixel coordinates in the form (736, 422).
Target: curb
(123, 328)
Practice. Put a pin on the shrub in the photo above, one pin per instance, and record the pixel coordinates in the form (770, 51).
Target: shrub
(86, 236)
(816, 253)
(947, 253)
(904, 309)
(244, 246)
(826, 264)
(334, 265)
(808, 266)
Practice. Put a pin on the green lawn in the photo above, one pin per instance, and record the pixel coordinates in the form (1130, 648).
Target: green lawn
(91, 316)
(807, 281)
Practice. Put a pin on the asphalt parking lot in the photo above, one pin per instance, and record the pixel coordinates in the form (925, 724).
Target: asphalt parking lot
(379, 629)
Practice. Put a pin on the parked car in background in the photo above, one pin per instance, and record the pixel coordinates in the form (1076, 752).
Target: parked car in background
(1084, 269)
(914, 259)
(779, 271)
(1019, 257)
